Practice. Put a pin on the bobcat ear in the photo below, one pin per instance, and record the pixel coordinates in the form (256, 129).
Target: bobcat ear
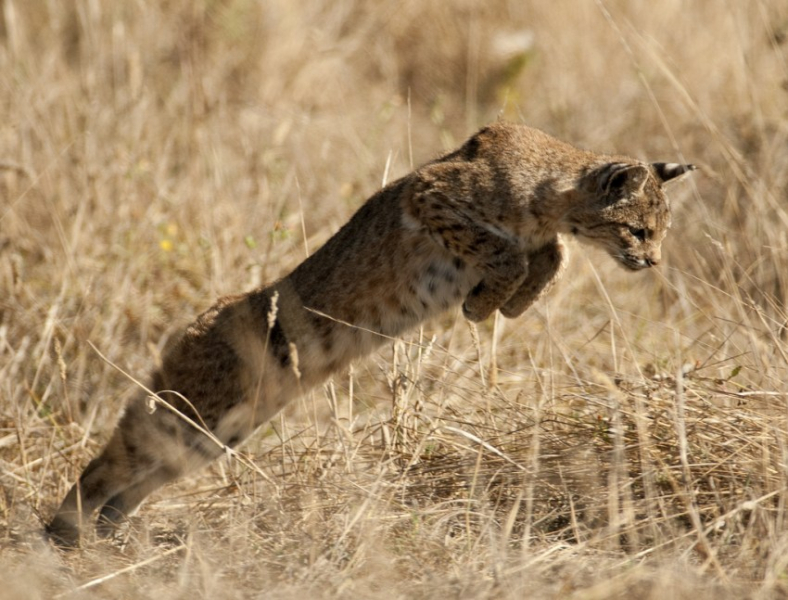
(621, 179)
(667, 171)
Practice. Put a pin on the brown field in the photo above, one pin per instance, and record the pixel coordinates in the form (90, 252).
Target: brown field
(625, 438)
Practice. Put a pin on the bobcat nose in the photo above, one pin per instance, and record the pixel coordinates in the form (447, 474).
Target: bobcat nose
(654, 257)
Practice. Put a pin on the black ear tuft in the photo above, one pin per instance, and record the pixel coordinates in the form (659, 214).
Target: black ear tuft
(667, 171)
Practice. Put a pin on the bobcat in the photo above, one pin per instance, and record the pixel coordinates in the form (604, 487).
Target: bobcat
(480, 226)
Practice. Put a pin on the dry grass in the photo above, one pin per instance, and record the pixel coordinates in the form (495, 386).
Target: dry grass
(626, 438)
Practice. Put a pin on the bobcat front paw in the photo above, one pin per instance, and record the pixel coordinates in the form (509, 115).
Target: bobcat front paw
(522, 299)
(512, 312)
(544, 267)
(483, 300)
(471, 315)
(477, 308)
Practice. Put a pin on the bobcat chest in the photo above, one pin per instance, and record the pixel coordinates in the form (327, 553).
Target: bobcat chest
(434, 282)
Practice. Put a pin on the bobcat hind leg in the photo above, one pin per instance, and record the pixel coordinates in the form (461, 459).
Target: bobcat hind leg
(125, 503)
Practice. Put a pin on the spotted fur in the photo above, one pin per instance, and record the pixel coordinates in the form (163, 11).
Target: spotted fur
(480, 227)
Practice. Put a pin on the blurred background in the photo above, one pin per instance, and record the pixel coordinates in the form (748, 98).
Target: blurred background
(156, 155)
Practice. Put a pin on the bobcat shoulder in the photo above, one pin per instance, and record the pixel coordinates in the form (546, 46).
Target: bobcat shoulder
(479, 227)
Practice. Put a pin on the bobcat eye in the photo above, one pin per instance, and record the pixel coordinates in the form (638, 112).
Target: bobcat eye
(640, 234)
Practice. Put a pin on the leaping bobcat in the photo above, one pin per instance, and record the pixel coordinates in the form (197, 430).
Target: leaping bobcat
(480, 226)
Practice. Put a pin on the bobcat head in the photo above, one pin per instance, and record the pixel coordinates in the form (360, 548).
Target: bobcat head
(624, 210)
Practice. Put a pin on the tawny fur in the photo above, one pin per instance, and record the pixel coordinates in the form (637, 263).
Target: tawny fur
(480, 227)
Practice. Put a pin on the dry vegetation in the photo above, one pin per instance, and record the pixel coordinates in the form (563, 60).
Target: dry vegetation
(626, 438)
